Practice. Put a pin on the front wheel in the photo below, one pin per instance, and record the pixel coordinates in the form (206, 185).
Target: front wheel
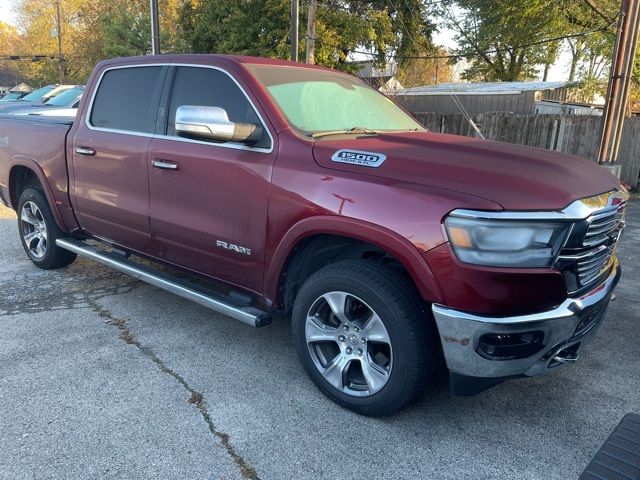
(363, 336)
(39, 231)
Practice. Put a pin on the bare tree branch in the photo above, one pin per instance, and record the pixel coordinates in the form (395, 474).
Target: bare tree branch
(599, 12)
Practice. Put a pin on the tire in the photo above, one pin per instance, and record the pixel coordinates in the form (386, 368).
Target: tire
(370, 370)
(39, 231)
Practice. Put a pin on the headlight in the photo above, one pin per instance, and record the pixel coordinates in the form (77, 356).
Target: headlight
(506, 243)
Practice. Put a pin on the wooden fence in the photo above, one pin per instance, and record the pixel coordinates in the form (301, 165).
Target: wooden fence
(575, 134)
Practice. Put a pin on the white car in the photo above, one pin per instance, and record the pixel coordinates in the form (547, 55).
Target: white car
(64, 104)
(54, 112)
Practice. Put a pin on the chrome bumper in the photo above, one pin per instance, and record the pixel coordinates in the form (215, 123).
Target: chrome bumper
(460, 334)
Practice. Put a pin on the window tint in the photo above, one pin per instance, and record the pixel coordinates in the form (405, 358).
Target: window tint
(211, 88)
(127, 99)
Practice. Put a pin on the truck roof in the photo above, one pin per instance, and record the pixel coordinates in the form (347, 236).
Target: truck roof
(206, 58)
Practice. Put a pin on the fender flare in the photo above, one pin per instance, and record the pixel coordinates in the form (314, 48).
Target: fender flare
(401, 248)
(31, 164)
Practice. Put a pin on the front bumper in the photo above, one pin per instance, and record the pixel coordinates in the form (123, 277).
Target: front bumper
(566, 330)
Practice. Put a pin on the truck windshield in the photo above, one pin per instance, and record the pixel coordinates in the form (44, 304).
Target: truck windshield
(316, 101)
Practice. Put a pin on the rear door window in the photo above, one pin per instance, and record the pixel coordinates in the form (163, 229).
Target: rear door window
(127, 99)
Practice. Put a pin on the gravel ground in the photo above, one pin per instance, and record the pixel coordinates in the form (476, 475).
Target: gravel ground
(104, 377)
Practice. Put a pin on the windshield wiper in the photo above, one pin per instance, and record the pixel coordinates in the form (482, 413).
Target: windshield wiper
(357, 130)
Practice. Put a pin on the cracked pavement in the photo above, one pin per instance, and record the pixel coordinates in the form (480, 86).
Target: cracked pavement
(102, 376)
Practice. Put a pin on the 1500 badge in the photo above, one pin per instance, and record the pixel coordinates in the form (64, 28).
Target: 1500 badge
(357, 157)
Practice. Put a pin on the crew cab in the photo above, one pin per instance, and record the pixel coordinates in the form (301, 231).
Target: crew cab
(298, 190)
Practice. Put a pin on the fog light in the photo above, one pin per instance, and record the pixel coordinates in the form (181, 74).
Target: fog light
(510, 346)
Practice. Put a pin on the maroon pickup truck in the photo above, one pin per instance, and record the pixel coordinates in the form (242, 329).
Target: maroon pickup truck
(293, 189)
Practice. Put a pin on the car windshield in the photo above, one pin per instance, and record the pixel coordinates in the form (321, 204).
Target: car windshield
(10, 96)
(66, 98)
(37, 95)
(316, 101)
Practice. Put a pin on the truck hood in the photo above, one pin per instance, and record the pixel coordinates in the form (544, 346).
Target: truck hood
(514, 176)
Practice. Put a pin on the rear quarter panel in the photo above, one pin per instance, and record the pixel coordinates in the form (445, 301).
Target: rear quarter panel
(40, 146)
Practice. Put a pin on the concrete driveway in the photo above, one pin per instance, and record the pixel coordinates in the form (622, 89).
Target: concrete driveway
(105, 377)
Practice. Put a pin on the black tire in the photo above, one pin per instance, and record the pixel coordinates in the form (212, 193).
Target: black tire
(411, 331)
(53, 256)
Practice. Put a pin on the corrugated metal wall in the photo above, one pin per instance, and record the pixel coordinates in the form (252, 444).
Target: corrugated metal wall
(514, 103)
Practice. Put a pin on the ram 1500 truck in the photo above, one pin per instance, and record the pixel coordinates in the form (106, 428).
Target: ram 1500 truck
(293, 189)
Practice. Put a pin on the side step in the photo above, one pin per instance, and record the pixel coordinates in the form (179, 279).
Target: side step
(227, 305)
(619, 457)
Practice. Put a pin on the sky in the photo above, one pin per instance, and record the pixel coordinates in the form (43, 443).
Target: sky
(6, 11)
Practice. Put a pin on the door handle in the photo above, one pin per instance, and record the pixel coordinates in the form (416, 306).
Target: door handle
(88, 151)
(164, 164)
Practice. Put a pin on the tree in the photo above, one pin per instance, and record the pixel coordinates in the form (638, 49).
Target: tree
(92, 30)
(126, 33)
(414, 72)
(500, 37)
(261, 27)
(9, 38)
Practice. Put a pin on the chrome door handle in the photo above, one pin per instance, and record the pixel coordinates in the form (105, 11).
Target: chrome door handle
(88, 151)
(164, 164)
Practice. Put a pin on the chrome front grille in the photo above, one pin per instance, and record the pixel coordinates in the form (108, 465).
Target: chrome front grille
(602, 225)
(590, 249)
(592, 265)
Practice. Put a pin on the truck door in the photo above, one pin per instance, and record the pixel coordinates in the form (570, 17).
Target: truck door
(208, 200)
(110, 175)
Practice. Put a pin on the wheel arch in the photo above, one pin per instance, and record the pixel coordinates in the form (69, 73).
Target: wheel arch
(25, 173)
(305, 232)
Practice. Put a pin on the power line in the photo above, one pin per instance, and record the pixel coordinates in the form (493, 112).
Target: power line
(400, 15)
(487, 52)
(29, 57)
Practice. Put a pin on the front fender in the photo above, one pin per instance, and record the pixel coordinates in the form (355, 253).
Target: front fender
(397, 246)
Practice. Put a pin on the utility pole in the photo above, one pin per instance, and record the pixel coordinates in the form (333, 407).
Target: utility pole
(59, 34)
(632, 47)
(311, 31)
(295, 4)
(155, 29)
(619, 82)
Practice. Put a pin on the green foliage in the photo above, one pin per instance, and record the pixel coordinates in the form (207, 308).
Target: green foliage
(125, 33)
(496, 36)
(262, 27)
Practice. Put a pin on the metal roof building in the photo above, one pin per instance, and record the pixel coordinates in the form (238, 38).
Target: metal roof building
(515, 97)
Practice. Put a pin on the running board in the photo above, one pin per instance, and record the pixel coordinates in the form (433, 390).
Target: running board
(227, 305)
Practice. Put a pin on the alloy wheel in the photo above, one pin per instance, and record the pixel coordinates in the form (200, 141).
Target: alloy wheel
(349, 344)
(34, 230)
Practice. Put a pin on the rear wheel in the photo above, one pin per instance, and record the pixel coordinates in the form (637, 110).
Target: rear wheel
(39, 231)
(363, 336)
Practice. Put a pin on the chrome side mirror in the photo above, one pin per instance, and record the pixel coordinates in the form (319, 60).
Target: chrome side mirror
(212, 123)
